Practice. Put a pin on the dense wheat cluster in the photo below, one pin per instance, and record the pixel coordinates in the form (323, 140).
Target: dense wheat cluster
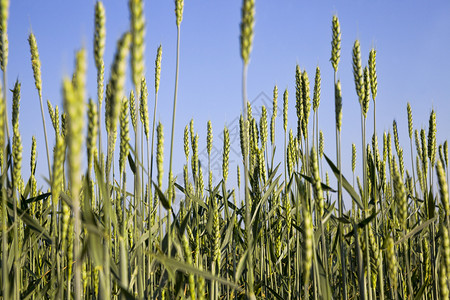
(109, 230)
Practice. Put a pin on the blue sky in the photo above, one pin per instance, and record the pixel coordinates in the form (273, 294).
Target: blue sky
(412, 39)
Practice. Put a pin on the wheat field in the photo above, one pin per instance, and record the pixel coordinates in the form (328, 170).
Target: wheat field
(114, 223)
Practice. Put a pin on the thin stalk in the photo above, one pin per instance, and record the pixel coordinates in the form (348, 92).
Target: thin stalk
(106, 290)
(324, 252)
(139, 228)
(149, 222)
(45, 136)
(340, 208)
(408, 268)
(365, 201)
(123, 241)
(6, 105)
(172, 135)
(150, 175)
(380, 267)
(289, 262)
(16, 264)
(99, 99)
(174, 106)
(250, 274)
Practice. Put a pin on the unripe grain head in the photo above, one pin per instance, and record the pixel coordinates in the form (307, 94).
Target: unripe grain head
(366, 100)
(358, 71)
(247, 25)
(100, 34)
(338, 105)
(144, 107)
(179, 6)
(124, 135)
(316, 97)
(432, 137)
(285, 109)
(35, 63)
(443, 187)
(226, 153)
(158, 68)
(209, 138)
(410, 120)
(137, 26)
(335, 43)
(373, 73)
(160, 153)
(117, 81)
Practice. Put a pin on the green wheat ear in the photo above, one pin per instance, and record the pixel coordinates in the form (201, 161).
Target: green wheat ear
(117, 82)
(92, 132)
(160, 153)
(275, 102)
(446, 248)
(432, 137)
(244, 136)
(263, 127)
(410, 120)
(133, 110)
(366, 99)
(33, 155)
(396, 140)
(358, 71)
(226, 153)
(191, 131)
(99, 49)
(16, 106)
(441, 154)
(285, 109)
(298, 93)
(35, 63)
(318, 193)
(124, 135)
(317, 82)
(373, 73)
(137, 19)
(247, 25)
(194, 160)
(446, 152)
(400, 196)
(74, 106)
(209, 137)
(423, 140)
(4, 14)
(308, 246)
(321, 143)
(186, 142)
(443, 187)
(100, 34)
(144, 107)
(17, 140)
(58, 168)
(306, 99)
(179, 6)
(238, 176)
(158, 68)
(338, 105)
(335, 43)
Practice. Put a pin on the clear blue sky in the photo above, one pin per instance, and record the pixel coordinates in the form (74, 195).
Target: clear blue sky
(412, 39)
